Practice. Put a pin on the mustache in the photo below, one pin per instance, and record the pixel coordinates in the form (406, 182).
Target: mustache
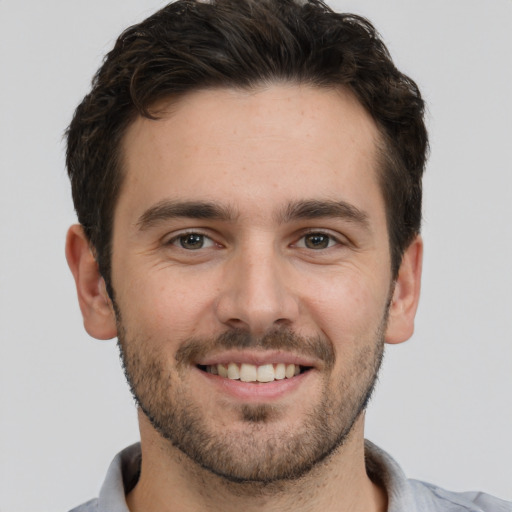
(317, 347)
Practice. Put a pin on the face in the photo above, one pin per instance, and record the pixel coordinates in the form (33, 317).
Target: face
(251, 273)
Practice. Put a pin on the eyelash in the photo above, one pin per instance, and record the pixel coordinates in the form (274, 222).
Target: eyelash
(175, 240)
(331, 240)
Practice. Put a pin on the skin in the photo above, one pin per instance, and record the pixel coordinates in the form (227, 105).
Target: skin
(253, 154)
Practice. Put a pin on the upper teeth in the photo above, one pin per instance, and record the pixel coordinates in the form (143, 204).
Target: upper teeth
(252, 373)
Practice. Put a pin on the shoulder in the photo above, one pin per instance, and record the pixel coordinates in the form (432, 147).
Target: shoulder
(121, 477)
(89, 506)
(408, 495)
(432, 497)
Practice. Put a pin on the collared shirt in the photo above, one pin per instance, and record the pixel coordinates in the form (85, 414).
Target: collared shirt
(404, 495)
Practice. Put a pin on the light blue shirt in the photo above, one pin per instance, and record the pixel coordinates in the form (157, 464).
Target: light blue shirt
(404, 495)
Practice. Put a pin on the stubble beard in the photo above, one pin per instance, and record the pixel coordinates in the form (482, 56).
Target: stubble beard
(258, 452)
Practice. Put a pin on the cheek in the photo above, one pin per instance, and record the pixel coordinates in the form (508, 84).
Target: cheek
(165, 308)
(350, 311)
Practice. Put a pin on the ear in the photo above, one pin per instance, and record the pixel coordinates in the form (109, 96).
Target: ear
(95, 304)
(406, 294)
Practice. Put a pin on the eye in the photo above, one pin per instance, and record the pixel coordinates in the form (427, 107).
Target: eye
(192, 241)
(317, 241)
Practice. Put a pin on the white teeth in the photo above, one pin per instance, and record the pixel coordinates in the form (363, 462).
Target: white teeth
(248, 373)
(266, 373)
(280, 372)
(233, 371)
(290, 371)
(251, 373)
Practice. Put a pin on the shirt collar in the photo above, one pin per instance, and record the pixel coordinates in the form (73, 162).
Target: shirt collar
(384, 470)
(123, 474)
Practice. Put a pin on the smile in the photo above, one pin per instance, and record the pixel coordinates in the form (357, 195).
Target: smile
(246, 372)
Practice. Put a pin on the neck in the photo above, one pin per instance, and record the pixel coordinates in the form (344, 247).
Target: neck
(170, 481)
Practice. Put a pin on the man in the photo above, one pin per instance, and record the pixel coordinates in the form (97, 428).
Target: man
(247, 177)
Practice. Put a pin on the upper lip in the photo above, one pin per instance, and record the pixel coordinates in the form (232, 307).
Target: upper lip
(256, 357)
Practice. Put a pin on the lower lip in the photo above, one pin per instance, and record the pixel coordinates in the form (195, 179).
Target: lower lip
(255, 391)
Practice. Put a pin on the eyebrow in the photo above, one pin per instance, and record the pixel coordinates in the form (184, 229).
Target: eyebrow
(297, 210)
(316, 209)
(169, 209)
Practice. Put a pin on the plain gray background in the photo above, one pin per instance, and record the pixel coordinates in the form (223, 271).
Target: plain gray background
(443, 407)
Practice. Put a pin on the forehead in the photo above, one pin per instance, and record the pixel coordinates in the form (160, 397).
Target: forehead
(264, 146)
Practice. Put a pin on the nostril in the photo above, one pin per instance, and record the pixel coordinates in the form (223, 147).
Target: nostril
(236, 323)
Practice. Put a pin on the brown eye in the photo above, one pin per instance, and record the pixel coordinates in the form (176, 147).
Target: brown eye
(317, 241)
(191, 241)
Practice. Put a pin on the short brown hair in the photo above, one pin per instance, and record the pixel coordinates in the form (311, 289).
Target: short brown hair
(190, 45)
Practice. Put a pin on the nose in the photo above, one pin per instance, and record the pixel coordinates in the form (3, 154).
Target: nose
(256, 294)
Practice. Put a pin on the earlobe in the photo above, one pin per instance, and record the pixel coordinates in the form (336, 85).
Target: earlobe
(406, 293)
(96, 307)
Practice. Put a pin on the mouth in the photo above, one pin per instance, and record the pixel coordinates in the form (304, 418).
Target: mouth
(262, 374)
